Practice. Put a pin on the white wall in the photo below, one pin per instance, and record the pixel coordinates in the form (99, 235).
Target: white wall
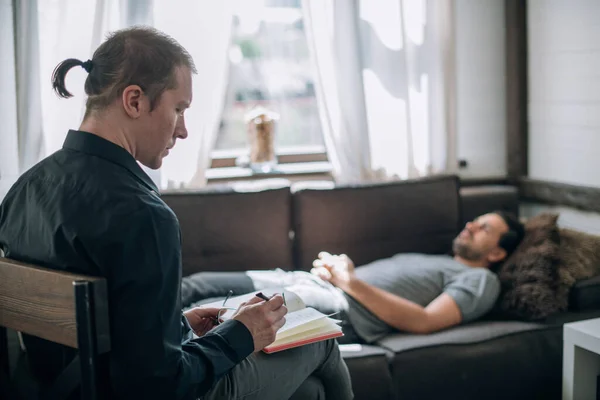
(481, 87)
(568, 217)
(564, 91)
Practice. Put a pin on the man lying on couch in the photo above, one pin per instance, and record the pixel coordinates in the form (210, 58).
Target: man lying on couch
(416, 293)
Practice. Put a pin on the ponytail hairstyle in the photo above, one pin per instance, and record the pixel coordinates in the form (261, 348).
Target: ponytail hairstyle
(134, 56)
(60, 73)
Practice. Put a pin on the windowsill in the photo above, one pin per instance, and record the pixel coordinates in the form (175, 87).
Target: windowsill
(290, 171)
(285, 155)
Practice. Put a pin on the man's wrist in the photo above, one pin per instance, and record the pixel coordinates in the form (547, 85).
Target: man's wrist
(185, 315)
(238, 336)
(349, 286)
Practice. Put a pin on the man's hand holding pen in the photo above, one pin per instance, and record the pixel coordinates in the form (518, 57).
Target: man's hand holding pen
(263, 317)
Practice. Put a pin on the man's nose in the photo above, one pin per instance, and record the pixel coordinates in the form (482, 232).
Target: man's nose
(180, 128)
(471, 226)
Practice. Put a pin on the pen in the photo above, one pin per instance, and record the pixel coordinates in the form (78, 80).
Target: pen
(265, 298)
(262, 296)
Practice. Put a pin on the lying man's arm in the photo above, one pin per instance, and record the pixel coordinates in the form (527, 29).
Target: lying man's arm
(403, 314)
(467, 297)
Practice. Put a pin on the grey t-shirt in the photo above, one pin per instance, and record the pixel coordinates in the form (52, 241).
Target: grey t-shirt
(421, 278)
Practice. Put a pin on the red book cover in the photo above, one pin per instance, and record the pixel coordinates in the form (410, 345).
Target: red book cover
(275, 349)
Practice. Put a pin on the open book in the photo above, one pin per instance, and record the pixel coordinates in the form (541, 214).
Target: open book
(303, 325)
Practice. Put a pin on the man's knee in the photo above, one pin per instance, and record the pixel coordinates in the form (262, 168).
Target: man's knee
(328, 349)
(311, 389)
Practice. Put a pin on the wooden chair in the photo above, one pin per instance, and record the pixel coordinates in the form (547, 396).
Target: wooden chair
(61, 307)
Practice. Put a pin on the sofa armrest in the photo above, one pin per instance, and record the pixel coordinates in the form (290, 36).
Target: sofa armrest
(585, 295)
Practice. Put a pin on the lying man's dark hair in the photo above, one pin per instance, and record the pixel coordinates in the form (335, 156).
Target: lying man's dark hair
(516, 231)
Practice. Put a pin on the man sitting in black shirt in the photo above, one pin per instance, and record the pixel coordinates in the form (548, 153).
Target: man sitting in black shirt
(90, 208)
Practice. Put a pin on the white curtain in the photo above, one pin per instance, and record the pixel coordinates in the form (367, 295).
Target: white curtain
(203, 27)
(35, 120)
(406, 58)
(29, 107)
(9, 139)
(332, 35)
(441, 56)
(22, 142)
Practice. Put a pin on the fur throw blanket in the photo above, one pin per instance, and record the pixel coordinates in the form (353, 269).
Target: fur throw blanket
(537, 278)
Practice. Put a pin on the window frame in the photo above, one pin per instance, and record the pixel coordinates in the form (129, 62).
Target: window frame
(299, 163)
(225, 158)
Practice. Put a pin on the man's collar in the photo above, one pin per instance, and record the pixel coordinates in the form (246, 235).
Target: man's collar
(94, 145)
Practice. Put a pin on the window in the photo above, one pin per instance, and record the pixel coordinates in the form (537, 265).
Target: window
(270, 67)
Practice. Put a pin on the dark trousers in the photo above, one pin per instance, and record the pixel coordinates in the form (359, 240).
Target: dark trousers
(315, 371)
(312, 372)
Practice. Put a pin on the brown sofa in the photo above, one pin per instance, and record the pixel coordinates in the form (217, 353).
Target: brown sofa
(224, 229)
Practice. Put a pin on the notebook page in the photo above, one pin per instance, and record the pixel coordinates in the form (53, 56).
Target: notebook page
(292, 300)
(319, 331)
(302, 320)
(321, 323)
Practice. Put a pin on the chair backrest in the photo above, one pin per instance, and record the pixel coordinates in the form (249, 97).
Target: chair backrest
(43, 303)
(61, 307)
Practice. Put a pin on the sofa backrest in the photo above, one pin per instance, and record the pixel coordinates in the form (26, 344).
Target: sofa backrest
(373, 221)
(225, 229)
(478, 200)
(228, 230)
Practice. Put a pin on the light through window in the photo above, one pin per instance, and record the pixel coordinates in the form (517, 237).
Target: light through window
(270, 67)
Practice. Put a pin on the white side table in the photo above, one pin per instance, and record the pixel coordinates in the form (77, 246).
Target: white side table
(581, 359)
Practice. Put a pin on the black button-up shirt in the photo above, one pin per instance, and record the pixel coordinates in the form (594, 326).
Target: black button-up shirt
(89, 208)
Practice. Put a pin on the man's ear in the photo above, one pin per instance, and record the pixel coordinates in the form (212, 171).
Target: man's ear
(496, 255)
(133, 101)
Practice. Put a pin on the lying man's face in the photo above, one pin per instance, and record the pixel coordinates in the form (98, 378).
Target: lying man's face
(479, 240)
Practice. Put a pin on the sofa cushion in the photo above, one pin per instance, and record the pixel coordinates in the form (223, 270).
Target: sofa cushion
(479, 200)
(229, 230)
(470, 333)
(579, 254)
(551, 271)
(480, 360)
(580, 268)
(369, 371)
(530, 279)
(571, 316)
(374, 221)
